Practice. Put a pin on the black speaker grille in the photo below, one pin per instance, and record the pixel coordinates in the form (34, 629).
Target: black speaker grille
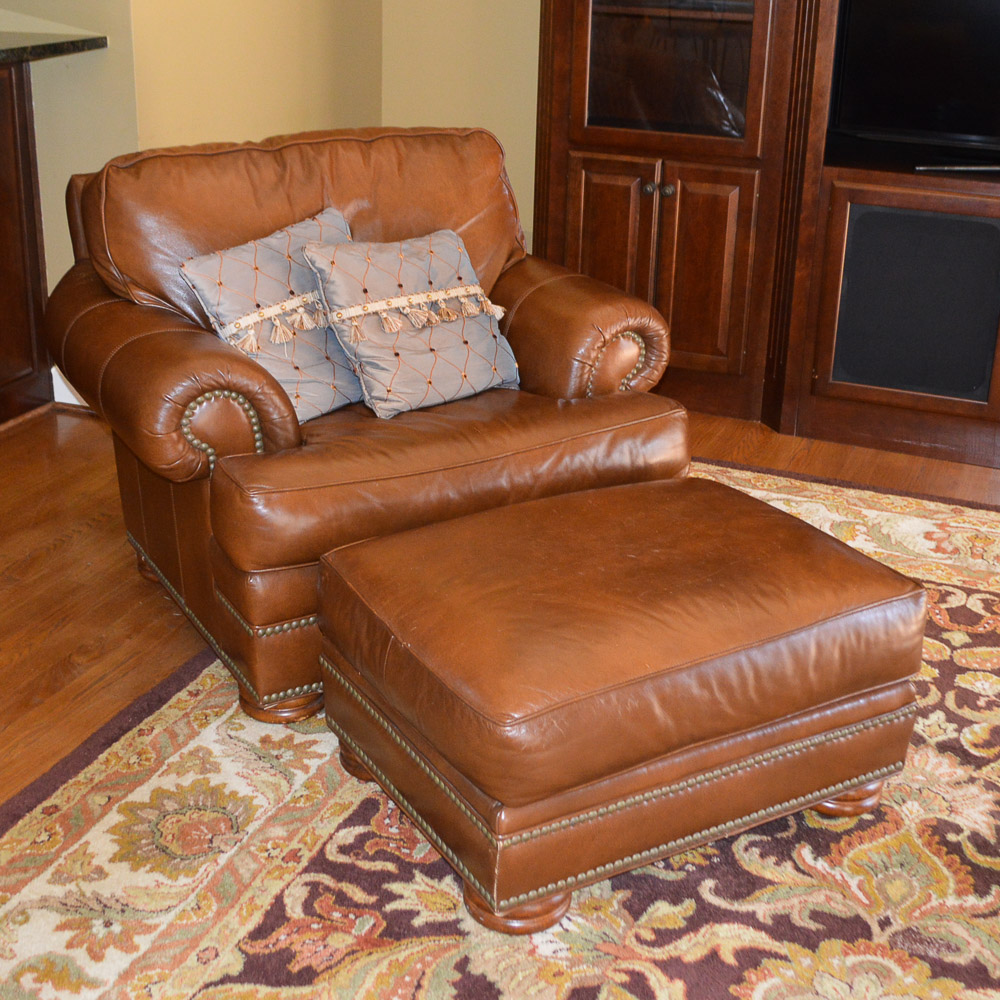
(919, 303)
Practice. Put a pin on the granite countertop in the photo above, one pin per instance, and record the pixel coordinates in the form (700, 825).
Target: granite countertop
(26, 46)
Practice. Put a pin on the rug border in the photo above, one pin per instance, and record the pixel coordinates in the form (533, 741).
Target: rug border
(828, 481)
(31, 796)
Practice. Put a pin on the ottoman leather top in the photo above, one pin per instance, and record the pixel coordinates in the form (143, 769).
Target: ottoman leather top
(675, 612)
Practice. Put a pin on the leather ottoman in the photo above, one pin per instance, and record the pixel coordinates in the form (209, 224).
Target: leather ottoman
(560, 690)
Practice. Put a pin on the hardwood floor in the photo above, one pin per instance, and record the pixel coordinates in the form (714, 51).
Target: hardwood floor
(754, 444)
(82, 634)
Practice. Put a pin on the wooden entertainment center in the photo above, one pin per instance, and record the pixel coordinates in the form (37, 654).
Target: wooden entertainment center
(682, 155)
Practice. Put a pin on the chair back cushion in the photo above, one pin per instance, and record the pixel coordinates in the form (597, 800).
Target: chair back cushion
(144, 214)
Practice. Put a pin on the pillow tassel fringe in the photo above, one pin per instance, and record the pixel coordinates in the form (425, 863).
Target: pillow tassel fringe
(446, 314)
(302, 320)
(248, 343)
(419, 317)
(357, 334)
(390, 323)
(497, 312)
(470, 307)
(280, 332)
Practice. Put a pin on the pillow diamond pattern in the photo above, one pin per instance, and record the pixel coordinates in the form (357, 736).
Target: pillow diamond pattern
(414, 320)
(261, 298)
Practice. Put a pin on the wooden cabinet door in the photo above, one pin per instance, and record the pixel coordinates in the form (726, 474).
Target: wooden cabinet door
(704, 260)
(611, 218)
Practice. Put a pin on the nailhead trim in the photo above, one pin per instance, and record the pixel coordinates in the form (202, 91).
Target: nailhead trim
(626, 382)
(182, 604)
(399, 741)
(765, 757)
(207, 397)
(702, 836)
(711, 833)
(264, 631)
(400, 799)
(269, 699)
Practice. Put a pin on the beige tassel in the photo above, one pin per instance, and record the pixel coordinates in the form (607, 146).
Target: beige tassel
(494, 310)
(432, 318)
(470, 307)
(446, 314)
(418, 317)
(391, 323)
(280, 333)
(248, 343)
(357, 334)
(301, 320)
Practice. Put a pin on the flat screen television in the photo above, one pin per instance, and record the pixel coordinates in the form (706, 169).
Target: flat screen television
(924, 72)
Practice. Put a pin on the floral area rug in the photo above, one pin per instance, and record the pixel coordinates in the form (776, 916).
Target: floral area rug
(202, 854)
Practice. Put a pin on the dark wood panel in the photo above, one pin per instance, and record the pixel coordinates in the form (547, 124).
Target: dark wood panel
(710, 392)
(611, 220)
(24, 372)
(936, 435)
(708, 224)
(711, 242)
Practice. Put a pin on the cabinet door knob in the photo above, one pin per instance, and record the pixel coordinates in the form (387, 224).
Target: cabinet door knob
(649, 188)
(668, 190)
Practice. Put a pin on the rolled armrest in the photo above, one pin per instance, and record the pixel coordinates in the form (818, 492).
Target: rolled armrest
(574, 336)
(175, 394)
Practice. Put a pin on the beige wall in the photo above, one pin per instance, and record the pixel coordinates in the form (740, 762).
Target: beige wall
(466, 62)
(212, 70)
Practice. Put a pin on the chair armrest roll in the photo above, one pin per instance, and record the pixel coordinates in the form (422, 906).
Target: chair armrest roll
(175, 394)
(574, 336)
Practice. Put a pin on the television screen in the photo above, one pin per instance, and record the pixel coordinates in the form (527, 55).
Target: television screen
(925, 71)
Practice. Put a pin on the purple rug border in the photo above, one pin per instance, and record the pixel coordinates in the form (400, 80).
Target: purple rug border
(826, 481)
(33, 795)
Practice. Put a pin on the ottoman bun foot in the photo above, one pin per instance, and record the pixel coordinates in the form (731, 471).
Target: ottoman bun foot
(353, 764)
(527, 919)
(858, 800)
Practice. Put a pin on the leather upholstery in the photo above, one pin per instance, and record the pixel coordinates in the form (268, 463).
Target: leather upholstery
(101, 341)
(357, 477)
(554, 314)
(630, 672)
(147, 212)
(228, 498)
(628, 602)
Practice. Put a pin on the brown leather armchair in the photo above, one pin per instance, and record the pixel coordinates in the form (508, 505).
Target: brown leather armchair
(228, 500)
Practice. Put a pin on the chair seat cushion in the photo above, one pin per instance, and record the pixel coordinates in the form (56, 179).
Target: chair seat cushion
(358, 477)
(546, 645)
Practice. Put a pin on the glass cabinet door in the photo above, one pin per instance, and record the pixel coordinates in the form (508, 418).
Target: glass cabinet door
(690, 67)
